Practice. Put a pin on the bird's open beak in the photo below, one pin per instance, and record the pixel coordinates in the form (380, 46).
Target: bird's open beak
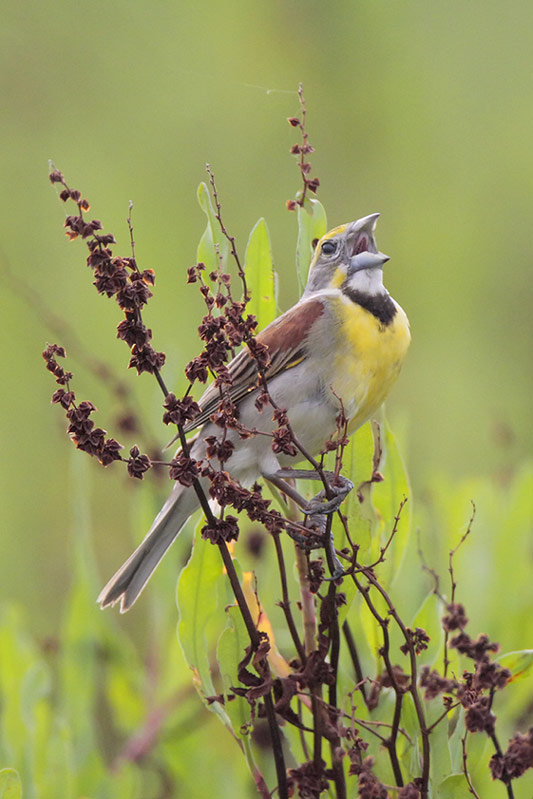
(367, 260)
(366, 224)
(360, 235)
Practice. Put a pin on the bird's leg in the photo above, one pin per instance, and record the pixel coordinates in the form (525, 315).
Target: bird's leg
(316, 507)
(286, 488)
(304, 541)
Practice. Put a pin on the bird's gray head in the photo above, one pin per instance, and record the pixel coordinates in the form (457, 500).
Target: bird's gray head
(348, 253)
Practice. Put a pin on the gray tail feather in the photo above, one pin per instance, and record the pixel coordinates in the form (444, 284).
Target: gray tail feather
(128, 582)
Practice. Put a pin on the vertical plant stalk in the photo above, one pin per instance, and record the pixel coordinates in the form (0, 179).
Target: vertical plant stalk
(391, 742)
(285, 604)
(335, 743)
(354, 655)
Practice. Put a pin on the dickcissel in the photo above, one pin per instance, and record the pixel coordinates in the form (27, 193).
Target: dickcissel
(345, 340)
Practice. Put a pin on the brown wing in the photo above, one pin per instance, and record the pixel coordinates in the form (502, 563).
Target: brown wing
(285, 338)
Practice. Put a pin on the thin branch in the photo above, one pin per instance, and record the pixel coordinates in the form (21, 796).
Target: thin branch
(231, 239)
(354, 655)
(443, 716)
(285, 604)
(465, 768)
(432, 573)
(451, 556)
(394, 530)
(385, 654)
(334, 637)
(454, 551)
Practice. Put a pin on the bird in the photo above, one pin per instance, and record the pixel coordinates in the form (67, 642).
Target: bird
(344, 341)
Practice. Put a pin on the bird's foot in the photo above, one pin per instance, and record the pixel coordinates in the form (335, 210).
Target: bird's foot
(320, 505)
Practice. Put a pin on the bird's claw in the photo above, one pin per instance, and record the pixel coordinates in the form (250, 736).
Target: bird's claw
(337, 574)
(314, 540)
(316, 506)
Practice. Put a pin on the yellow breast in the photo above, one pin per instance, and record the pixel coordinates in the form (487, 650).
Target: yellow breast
(369, 356)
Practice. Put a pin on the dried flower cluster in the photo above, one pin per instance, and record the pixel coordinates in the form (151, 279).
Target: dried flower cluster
(81, 427)
(302, 151)
(516, 760)
(115, 277)
(476, 690)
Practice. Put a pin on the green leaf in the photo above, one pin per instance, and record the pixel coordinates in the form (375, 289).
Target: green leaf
(201, 616)
(36, 686)
(260, 276)
(440, 760)
(81, 635)
(519, 663)
(410, 752)
(10, 785)
(230, 651)
(453, 787)
(455, 740)
(213, 243)
(312, 224)
(358, 507)
(18, 656)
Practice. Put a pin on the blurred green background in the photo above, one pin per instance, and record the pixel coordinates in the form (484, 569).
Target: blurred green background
(419, 110)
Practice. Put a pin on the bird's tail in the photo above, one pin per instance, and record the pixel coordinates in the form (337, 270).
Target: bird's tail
(128, 582)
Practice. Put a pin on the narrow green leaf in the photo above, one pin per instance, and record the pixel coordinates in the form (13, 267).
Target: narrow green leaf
(81, 635)
(312, 224)
(213, 243)
(260, 275)
(455, 740)
(36, 686)
(409, 750)
(18, 656)
(358, 507)
(440, 760)
(10, 785)
(59, 772)
(387, 497)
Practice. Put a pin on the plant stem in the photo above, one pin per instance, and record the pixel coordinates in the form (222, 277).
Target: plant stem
(355, 660)
(255, 641)
(285, 604)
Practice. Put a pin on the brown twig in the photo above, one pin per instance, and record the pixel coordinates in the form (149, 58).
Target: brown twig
(465, 768)
(285, 604)
(451, 556)
(224, 231)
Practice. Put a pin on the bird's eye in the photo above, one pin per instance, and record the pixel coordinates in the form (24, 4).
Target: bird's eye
(329, 247)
